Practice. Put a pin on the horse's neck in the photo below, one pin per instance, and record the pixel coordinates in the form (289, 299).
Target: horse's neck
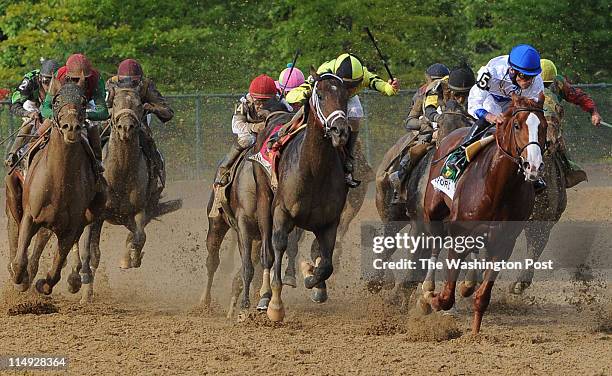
(316, 150)
(503, 174)
(62, 160)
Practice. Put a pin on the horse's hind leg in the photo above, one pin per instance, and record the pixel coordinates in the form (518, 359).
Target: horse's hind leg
(283, 225)
(292, 252)
(27, 229)
(74, 279)
(40, 241)
(135, 241)
(217, 229)
(236, 291)
(537, 234)
(245, 244)
(64, 244)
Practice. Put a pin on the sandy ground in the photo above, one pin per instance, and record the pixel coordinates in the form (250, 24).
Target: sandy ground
(147, 321)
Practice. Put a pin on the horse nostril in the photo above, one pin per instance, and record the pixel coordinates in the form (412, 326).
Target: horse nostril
(541, 169)
(65, 127)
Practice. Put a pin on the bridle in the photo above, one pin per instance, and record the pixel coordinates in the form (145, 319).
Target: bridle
(326, 121)
(518, 159)
(125, 112)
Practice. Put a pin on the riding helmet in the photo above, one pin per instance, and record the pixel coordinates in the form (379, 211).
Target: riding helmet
(437, 70)
(461, 79)
(525, 59)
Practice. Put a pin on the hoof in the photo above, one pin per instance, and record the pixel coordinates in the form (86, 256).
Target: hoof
(22, 287)
(136, 258)
(290, 280)
(86, 278)
(263, 304)
(125, 263)
(43, 287)
(276, 312)
(517, 288)
(428, 286)
(74, 283)
(423, 306)
(87, 294)
(374, 286)
(466, 289)
(319, 295)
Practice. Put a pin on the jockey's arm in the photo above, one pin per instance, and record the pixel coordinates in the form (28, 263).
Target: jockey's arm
(374, 82)
(412, 121)
(99, 98)
(158, 104)
(575, 95)
(476, 100)
(24, 92)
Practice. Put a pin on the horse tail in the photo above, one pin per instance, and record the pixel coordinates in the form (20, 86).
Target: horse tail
(163, 208)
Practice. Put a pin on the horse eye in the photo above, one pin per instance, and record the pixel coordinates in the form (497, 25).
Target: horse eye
(320, 96)
(516, 125)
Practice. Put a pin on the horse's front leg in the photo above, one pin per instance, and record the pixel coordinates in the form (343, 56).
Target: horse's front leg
(217, 229)
(64, 244)
(40, 241)
(323, 268)
(264, 220)
(18, 267)
(292, 252)
(283, 225)
(90, 257)
(74, 279)
(139, 239)
(537, 234)
(446, 298)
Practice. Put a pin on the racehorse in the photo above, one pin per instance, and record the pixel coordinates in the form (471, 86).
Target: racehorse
(311, 190)
(495, 187)
(58, 193)
(396, 216)
(133, 197)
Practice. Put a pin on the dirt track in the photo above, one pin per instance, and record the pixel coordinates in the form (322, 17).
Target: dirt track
(145, 321)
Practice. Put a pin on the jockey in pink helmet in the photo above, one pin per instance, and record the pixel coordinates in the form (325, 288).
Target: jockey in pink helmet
(292, 81)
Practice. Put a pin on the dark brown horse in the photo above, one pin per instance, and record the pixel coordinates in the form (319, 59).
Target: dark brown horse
(395, 216)
(492, 189)
(133, 197)
(242, 205)
(59, 190)
(311, 190)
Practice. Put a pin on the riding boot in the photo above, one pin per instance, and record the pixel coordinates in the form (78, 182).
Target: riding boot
(22, 138)
(157, 160)
(222, 177)
(475, 131)
(397, 178)
(350, 159)
(573, 173)
(93, 136)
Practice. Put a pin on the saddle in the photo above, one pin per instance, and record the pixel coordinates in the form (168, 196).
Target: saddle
(269, 154)
(221, 199)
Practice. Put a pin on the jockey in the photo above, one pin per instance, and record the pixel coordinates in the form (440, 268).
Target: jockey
(454, 86)
(248, 120)
(79, 70)
(556, 89)
(26, 101)
(356, 78)
(130, 75)
(517, 73)
(293, 81)
(434, 72)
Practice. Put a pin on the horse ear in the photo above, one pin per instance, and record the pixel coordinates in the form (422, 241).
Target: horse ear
(541, 100)
(313, 73)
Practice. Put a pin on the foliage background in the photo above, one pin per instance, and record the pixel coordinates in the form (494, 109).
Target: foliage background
(219, 45)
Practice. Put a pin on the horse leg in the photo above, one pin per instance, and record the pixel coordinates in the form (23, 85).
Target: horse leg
(264, 216)
(64, 244)
(385, 279)
(74, 279)
(90, 258)
(27, 229)
(12, 229)
(468, 285)
(292, 252)
(446, 298)
(323, 269)
(139, 239)
(42, 238)
(217, 229)
(236, 291)
(283, 225)
(537, 234)
(245, 244)
(429, 283)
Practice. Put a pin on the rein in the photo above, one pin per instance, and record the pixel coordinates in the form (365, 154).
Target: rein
(326, 121)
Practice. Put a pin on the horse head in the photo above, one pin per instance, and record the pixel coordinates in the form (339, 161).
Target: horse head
(453, 117)
(524, 133)
(69, 112)
(329, 100)
(127, 113)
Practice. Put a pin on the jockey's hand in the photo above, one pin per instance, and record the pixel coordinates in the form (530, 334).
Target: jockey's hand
(596, 119)
(495, 119)
(34, 115)
(394, 84)
(258, 127)
(148, 108)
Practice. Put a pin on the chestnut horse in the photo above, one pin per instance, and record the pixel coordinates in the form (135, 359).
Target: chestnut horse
(311, 191)
(495, 186)
(59, 190)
